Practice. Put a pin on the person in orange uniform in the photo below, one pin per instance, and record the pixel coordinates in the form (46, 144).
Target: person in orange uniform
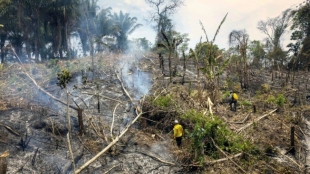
(178, 132)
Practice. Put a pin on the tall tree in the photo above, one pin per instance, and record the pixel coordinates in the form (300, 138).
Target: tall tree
(257, 53)
(169, 45)
(161, 10)
(240, 39)
(301, 35)
(126, 25)
(274, 29)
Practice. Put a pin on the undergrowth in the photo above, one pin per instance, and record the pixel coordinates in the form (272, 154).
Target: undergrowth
(163, 101)
(201, 130)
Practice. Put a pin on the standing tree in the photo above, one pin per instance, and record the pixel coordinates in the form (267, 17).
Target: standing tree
(214, 66)
(161, 10)
(63, 79)
(170, 45)
(301, 36)
(258, 53)
(240, 38)
(274, 28)
(125, 25)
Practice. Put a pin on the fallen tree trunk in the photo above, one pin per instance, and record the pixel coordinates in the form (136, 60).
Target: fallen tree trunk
(240, 122)
(228, 157)
(123, 87)
(109, 146)
(255, 120)
(189, 165)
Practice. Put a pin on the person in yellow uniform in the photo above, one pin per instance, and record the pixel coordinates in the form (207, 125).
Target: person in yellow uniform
(233, 100)
(178, 133)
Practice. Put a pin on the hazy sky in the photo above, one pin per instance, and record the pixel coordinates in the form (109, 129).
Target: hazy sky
(242, 14)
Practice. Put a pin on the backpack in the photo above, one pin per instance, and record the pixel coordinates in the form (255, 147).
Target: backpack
(235, 96)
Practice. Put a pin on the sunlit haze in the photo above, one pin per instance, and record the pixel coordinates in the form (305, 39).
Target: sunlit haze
(242, 14)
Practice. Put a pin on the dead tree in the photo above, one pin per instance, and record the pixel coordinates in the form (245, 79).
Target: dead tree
(240, 39)
(184, 67)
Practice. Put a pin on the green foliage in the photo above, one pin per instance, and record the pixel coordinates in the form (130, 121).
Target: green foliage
(1, 67)
(194, 116)
(245, 103)
(257, 52)
(207, 128)
(210, 53)
(301, 35)
(265, 88)
(271, 99)
(142, 44)
(280, 100)
(225, 95)
(63, 78)
(125, 25)
(163, 101)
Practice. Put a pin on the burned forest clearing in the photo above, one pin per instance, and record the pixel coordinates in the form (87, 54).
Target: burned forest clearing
(80, 94)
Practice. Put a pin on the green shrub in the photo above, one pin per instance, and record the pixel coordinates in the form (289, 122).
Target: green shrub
(258, 92)
(207, 128)
(63, 78)
(194, 116)
(163, 101)
(271, 99)
(265, 88)
(280, 100)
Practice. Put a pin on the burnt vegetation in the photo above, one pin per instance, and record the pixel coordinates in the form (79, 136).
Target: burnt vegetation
(111, 106)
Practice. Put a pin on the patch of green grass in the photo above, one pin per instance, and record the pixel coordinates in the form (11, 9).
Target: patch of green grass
(271, 99)
(225, 95)
(163, 101)
(245, 103)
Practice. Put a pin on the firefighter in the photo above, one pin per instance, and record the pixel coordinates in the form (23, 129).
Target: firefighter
(178, 133)
(233, 100)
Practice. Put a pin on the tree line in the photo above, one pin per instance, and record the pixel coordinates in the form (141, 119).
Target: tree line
(43, 29)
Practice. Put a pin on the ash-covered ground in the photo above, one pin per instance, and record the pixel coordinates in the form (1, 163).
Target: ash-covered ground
(34, 132)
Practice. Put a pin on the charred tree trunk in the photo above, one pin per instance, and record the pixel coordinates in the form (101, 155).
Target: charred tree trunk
(36, 50)
(3, 165)
(184, 67)
(98, 99)
(68, 44)
(292, 149)
(161, 62)
(3, 38)
(68, 116)
(175, 62)
(80, 120)
(170, 66)
(246, 78)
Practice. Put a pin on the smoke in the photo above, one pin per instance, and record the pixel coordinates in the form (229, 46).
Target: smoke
(133, 75)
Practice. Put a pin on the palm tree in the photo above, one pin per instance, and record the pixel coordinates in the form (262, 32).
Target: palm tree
(126, 25)
(104, 27)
